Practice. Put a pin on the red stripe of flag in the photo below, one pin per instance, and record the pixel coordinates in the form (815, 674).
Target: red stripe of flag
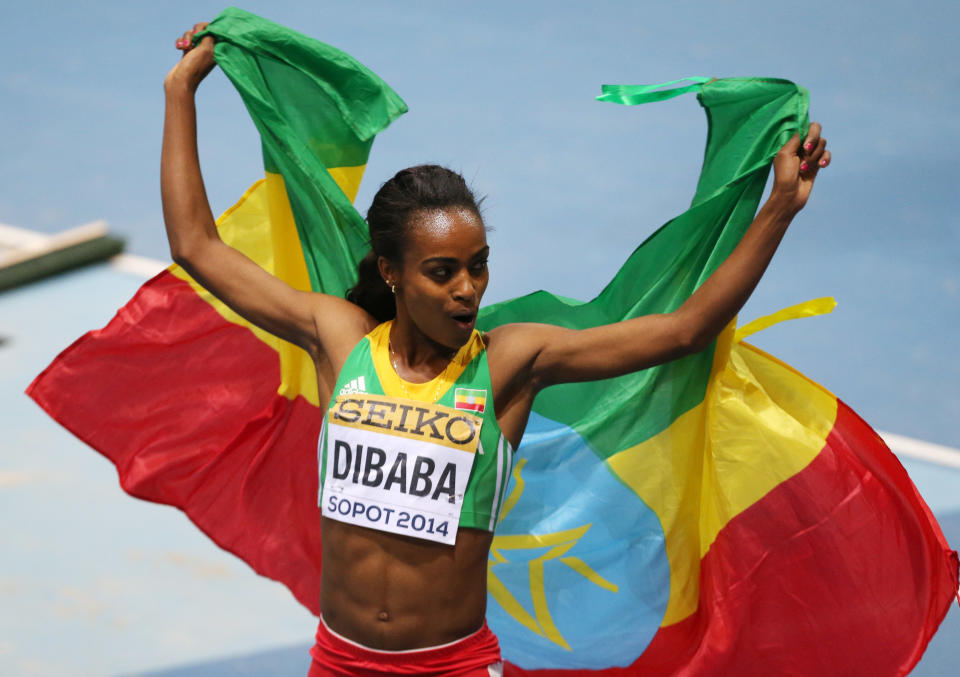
(184, 425)
(819, 562)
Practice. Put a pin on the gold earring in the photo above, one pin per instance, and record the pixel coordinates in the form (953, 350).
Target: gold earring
(393, 289)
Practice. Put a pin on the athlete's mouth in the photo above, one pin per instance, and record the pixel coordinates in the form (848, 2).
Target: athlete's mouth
(464, 319)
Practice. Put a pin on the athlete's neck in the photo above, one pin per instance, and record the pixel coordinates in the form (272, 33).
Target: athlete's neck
(415, 356)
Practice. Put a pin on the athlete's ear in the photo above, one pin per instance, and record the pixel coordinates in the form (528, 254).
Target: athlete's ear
(389, 272)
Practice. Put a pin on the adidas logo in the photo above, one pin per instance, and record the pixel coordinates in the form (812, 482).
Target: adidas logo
(357, 385)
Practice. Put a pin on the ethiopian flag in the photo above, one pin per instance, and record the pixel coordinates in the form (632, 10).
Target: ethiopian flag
(718, 515)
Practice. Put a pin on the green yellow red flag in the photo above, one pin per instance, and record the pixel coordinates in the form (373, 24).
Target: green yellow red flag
(720, 514)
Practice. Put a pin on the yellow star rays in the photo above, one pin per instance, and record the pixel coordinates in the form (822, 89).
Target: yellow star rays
(559, 543)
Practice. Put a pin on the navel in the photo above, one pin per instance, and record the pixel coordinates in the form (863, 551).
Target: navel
(383, 616)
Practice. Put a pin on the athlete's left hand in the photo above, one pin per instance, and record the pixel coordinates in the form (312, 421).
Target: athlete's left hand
(795, 168)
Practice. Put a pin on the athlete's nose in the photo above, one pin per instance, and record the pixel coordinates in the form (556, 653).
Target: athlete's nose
(464, 289)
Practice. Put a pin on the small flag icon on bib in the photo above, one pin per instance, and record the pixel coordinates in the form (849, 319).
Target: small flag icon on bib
(469, 399)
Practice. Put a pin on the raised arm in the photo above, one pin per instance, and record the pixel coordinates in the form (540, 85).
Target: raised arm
(266, 301)
(542, 355)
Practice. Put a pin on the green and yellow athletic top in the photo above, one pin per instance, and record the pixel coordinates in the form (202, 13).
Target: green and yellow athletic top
(419, 459)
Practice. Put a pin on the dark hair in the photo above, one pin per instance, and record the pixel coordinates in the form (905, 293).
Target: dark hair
(411, 190)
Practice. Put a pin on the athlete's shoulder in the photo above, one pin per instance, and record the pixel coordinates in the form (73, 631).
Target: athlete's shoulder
(512, 351)
(340, 325)
(519, 339)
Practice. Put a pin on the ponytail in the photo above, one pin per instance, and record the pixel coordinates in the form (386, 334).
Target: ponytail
(371, 293)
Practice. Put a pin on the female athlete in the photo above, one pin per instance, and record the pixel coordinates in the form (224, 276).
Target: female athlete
(419, 403)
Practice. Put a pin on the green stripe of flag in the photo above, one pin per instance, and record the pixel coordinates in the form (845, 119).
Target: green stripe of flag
(748, 120)
(315, 107)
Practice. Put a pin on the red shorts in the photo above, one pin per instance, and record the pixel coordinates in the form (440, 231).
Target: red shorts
(476, 655)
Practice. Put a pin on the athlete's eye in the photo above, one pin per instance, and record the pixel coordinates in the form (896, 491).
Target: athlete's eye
(479, 266)
(440, 272)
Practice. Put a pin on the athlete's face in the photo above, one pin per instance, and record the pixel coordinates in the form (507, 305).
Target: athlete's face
(444, 273)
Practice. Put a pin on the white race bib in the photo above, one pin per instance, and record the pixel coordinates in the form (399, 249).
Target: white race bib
(398, 465)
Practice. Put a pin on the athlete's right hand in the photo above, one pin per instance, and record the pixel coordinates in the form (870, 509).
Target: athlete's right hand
(196, 62)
